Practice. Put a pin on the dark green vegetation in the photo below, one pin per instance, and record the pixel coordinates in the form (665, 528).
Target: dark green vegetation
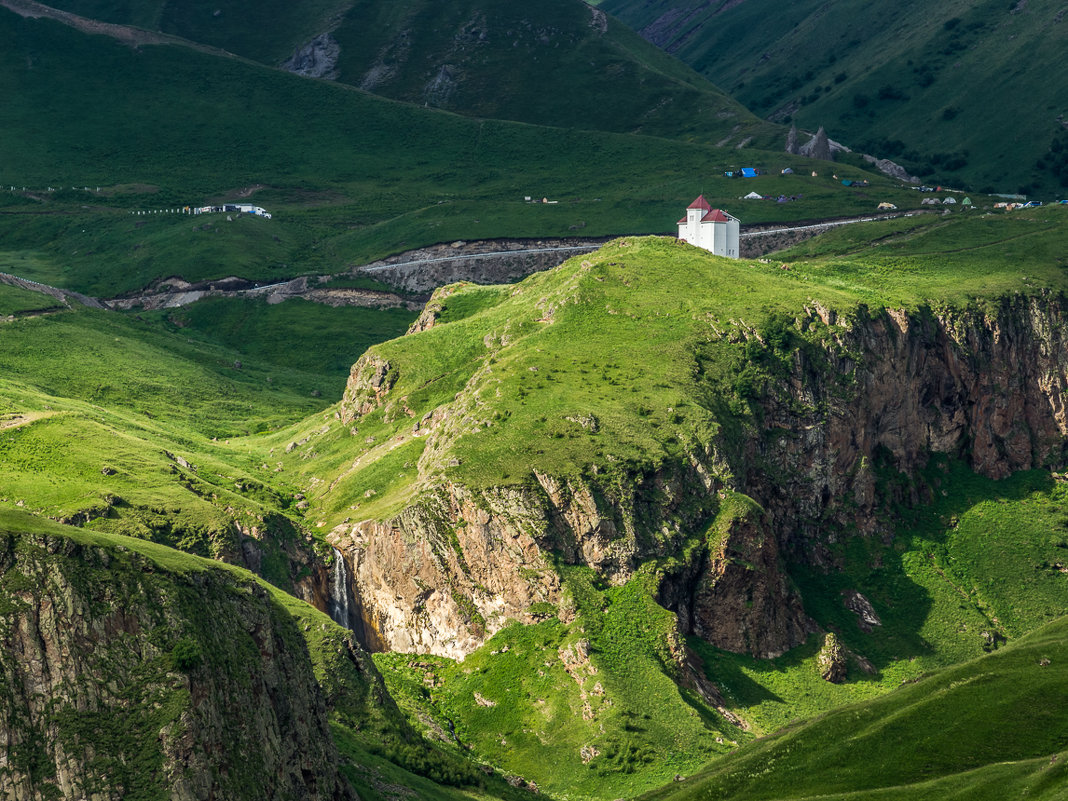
(965, 93)
(488, 59)
(320, 341)
(349, 177)
(975, 568)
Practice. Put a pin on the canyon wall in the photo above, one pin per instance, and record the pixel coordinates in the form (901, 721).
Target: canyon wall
(122, 679)
(880, 391)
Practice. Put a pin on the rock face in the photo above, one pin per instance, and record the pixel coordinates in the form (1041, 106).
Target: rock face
(986, 386)
(879, 391)
(317, 59)
(831, 660)
(120, 679)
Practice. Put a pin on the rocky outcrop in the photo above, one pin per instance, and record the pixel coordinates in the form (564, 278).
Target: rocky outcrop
(893, 169)
(871, 395)
(831, 661)
(120, 678)
(480, 262)
(452, 569)
(734, 594)
(885, 391)
(317, 59)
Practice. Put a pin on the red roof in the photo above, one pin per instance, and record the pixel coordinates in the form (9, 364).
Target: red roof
(681, 222)
(700, 203)
(714, 215)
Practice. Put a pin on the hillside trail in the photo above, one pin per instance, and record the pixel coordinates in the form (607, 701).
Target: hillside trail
(23, 419)
(127, 34)
(64, 296)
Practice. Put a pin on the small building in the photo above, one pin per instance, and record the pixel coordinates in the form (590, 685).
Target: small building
(709, 228)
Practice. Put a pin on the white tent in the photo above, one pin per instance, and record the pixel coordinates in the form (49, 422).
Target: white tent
(753, 196)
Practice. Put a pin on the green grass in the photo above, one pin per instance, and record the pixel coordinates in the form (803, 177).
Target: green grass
(377, 177)
(965, 573)
(296, 335)
(613, 724)
(978, 730)
(539, 377)
(895, 80)
(14, 300)
(116, 361)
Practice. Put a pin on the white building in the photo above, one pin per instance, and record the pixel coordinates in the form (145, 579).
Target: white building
(709, 228)
(240, 208)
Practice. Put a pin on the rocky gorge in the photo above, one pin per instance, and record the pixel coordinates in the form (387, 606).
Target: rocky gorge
(848, 399)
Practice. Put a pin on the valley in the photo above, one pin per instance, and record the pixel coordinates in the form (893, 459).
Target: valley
(422, 488)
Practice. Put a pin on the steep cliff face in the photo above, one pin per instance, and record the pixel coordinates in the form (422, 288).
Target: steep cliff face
(123, 679)
(851, 400)
(988, 386)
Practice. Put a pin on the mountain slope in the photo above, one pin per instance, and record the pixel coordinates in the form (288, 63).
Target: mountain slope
(559, 63)
(136, 672)
(966, 92)
(349, 176)
(988, 728)
(737, 441)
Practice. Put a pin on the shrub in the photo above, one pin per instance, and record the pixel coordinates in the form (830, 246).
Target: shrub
(186, 654)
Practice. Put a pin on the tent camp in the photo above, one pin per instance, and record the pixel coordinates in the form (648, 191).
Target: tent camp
(753, 196)
(749, 172)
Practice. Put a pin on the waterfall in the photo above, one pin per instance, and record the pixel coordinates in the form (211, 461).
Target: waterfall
(339, 591)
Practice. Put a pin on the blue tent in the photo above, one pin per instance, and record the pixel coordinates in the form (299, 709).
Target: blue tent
(749, 172)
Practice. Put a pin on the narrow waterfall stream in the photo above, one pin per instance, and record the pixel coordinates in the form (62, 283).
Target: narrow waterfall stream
(339, 591)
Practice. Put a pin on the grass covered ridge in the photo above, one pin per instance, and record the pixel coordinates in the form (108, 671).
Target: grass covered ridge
(632, 355)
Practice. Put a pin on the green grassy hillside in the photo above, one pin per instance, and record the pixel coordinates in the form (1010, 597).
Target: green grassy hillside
(533, 362)
(965, 93)
(539, 373)
(349, 177)
(133, 394)
(554, 63)
(989, 728)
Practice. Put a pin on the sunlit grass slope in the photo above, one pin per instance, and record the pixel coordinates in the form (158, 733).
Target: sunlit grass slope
(636, 338)
(108, 423)
(989, 728)
(585, 709)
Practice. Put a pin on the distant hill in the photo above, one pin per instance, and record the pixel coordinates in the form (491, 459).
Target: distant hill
(959, 92)
(557, 62)
(350, 176)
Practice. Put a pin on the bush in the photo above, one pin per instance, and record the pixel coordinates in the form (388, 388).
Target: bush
(186, 654)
